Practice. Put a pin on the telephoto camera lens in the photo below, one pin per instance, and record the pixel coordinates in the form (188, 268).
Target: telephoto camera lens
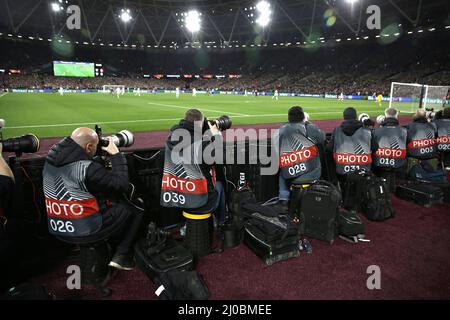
(380, 119)
(28, 143)
(122, 139)
(223, 123)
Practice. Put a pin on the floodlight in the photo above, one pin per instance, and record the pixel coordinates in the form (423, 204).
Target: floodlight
(263, 7)
(55, 7)
(125, 15)
(193, 21)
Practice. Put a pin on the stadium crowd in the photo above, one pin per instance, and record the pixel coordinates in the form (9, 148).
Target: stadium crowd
(349, 69)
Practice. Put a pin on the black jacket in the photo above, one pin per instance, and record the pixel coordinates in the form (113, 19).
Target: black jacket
(100, 182)
(349, 127)
(206, 169)
(6, 193)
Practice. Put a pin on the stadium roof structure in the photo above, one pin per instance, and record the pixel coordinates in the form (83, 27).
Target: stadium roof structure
(224, 23)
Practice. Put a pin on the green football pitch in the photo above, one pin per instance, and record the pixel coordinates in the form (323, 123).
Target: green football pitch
(52, 115)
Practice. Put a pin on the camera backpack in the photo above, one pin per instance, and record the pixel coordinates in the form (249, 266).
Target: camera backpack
(370, 195)
(319, 209)
(158, 254)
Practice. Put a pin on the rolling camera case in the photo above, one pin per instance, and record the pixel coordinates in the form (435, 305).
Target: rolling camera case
(320, 210)
(423, 194)
(169, 256)
(271, 236)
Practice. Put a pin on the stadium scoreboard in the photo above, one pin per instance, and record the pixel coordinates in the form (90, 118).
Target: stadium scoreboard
(73, 69)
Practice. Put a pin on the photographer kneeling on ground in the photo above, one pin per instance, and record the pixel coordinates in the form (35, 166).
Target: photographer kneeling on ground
(78, 193)
(188, 182)
(299, 157)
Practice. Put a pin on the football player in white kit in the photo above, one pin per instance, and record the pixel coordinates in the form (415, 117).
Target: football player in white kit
(61, 91)
(194, 92)
(275, 95)
(177, 92)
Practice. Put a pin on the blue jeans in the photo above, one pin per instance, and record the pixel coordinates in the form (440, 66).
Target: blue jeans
(284, 188)
(219, 206)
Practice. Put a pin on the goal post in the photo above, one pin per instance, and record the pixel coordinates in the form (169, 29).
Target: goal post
(435, 97)
(107, 87)
(406, 97)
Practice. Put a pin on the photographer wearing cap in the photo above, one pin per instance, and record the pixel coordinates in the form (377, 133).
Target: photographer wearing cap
(188, 182)
(421, 139)
(299, 158)
(442, 121)
(78, 192)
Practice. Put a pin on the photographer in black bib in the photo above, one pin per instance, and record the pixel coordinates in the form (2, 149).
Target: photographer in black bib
(82, 197)
(189, 182)
(299, 158)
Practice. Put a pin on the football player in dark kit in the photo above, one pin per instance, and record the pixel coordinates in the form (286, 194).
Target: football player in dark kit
(78, 193)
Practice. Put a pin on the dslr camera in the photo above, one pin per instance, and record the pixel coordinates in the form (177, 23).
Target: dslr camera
(28, 143)
(223, 123)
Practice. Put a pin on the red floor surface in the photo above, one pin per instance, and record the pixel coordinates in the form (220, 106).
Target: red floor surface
(412, 251)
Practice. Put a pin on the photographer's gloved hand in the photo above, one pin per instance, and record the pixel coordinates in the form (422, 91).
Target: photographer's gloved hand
(214, 130)
(111, 149)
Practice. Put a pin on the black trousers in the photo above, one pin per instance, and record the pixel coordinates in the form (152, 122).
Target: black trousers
(121, 224)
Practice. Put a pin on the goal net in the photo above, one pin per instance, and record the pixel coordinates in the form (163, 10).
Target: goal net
(107, 88)
(405, 97)
(435, 97)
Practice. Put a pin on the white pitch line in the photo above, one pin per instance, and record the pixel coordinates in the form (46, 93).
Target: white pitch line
(2, 95)
(181, 107)
(90, 123)
(150, 120)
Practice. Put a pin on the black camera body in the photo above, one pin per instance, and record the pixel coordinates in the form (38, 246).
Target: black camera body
(223, 123)
(27, 143)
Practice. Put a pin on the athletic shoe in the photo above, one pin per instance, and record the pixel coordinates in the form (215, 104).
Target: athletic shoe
(122, 262)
